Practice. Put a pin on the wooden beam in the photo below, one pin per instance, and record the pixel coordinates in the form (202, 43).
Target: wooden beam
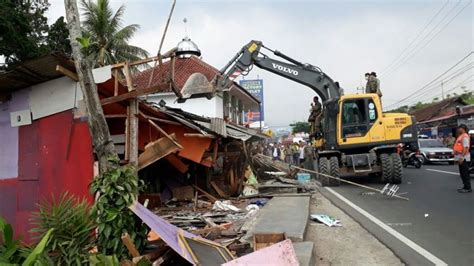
(128, 76)
(164, 133)
(199, 135)
(133, 132)
(133, 94)
(66, 72)
(130, 246)
(116, 82)
(116, 116)
(156, 150)
(174, 160)
(219, 191)
(168, 54)
(207, 195)
(165, 121)
(127, 135)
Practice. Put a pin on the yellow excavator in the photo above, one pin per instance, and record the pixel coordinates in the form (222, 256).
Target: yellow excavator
(357, 137)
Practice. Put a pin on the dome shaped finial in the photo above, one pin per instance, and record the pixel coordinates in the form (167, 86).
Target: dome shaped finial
(186, 47)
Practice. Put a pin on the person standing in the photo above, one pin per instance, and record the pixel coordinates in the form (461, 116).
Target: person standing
(276, 152)
(296, 153)
(367, 84)
(463, 157)
(373, 84)
(376, 82)
(301, 151)
(315, 116)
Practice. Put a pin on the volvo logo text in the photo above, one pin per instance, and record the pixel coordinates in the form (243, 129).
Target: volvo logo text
(285, 69)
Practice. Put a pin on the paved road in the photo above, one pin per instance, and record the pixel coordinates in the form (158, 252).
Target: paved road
(437, 218)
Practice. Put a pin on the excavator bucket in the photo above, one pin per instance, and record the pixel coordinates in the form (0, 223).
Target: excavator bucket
(197, 86)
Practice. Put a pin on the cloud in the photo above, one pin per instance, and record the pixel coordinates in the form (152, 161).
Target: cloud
(344, 38)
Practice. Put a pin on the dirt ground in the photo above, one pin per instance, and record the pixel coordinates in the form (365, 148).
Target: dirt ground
(347, 245)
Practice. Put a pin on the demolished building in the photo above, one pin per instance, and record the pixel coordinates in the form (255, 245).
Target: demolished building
(47, 147)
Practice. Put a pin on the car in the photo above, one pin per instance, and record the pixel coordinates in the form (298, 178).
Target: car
(433, 150)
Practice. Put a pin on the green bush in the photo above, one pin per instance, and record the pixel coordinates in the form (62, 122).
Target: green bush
(117, 189)
(12, 253)
(73, 235)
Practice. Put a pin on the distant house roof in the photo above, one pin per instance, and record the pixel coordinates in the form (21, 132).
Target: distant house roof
(33, 72)
(183, 68)
(443, 108)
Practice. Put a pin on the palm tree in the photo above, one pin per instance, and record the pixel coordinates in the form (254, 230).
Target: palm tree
(105, 41)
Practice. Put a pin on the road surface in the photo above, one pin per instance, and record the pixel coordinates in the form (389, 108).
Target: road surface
(435, 226)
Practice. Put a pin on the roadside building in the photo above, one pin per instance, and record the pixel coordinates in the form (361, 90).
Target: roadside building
(46, 146)
(441, 119)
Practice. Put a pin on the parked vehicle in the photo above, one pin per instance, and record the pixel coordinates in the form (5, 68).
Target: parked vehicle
(433, 150)
(410, 155)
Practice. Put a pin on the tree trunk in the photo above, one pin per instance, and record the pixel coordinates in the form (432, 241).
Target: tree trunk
(103, 145)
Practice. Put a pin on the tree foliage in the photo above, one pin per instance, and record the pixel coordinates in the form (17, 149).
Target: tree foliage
(25, 34)
(13, 253)
(117, 189)
(73, 238)
(299, 127)
(104, 39)
(58, 37)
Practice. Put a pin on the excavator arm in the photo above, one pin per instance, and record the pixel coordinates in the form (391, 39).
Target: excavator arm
(304, 74)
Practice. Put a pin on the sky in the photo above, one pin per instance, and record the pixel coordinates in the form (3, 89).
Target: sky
(408, 43)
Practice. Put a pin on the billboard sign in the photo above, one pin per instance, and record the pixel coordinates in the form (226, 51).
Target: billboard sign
(254, 87)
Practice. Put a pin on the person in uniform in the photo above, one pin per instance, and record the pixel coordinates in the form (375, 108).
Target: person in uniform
(463, 157)
(315, 116)
(373, 84)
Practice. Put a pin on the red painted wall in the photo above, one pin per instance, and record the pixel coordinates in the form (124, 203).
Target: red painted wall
(55, 155)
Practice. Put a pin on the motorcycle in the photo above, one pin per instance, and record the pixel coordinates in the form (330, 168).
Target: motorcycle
(410, 156)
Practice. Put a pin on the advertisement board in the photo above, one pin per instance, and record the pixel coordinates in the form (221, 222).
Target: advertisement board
(254, 87)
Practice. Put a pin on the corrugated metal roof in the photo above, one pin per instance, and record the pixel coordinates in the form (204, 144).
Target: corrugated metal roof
(218, 125)
(33, 72)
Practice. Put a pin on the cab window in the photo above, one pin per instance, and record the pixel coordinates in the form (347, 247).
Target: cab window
(358, 115)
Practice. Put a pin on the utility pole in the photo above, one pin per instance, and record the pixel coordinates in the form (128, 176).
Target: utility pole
(103, 146)
(442, 90)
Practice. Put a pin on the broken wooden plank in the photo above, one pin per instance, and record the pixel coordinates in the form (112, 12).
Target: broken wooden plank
(128, 76)
(219, 191)
(207, 195)
(164, 133)
(198, 135)
(161, 120)
(133, 156)
(177, 163)
(156, 150)
(262, 240)
(183, 193)
(130, 246)
(116, 116)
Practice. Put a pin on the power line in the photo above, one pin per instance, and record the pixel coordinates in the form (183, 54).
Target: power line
(459, 86)
(431, 82)
(444, 82)
(417, 49)
(417, 36)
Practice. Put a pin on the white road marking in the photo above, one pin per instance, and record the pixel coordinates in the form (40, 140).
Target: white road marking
(441, 171)
(423, 252)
